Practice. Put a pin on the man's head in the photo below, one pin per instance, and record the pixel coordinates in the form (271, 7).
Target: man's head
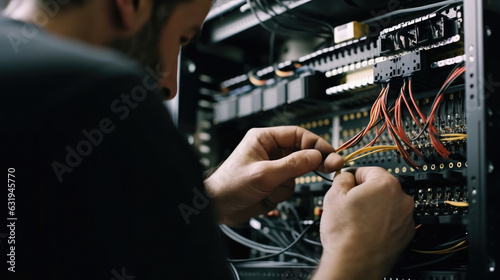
(172, 24)
(150, 31)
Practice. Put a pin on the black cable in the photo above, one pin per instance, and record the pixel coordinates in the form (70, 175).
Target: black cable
(260, 247)
(428, 263)
(323, 177)
(439, 93)
(412, 10)
(307, 18)
(254, 12)
(273, 254)
(443, 245)
(267, 7)
(287, 228)
(270, 224)
(272, 40)
(294, 212)
(273, 17)
(442, 8)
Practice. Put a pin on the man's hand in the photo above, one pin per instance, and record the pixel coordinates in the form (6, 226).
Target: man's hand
(261, 171)
(367, 221)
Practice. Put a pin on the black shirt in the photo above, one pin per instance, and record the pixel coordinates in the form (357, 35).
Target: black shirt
(105, 188)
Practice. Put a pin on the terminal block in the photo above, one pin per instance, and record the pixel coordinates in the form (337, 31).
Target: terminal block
(401, 66)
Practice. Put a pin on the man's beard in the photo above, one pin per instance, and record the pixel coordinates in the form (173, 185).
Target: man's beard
(142, 47)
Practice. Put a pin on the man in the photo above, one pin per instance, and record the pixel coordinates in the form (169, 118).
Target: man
(106, 189)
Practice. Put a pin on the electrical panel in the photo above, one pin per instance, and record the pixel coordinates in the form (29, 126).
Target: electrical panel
(416, 94)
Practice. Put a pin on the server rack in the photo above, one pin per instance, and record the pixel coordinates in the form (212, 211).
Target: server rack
(206, 115)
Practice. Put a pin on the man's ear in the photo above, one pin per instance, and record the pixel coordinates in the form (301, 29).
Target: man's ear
(132, 14)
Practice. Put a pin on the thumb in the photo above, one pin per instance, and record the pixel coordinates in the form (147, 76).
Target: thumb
(291, 166)
(343, 183)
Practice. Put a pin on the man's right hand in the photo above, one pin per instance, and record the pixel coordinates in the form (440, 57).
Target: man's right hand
(367, 222)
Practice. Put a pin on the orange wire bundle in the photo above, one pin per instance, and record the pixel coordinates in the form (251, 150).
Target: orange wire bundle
(433, 133)
(392, 119)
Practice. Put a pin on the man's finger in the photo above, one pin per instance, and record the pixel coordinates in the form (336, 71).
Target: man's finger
(343, 183)
(294, 165)
(292, 137)
(376, 174)
(332, 162)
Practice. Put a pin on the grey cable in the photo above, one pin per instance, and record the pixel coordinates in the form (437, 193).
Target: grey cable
(412, 10)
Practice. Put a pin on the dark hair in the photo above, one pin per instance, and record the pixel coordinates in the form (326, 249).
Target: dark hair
(171, 3)
(143, 47)
(67, 4)
(77, 2)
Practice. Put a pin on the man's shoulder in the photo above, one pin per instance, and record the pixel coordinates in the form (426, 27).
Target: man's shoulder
(33, 51)
(38, 67)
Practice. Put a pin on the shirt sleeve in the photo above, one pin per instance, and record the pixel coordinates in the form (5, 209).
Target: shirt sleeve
(149, 213)
(114, 192)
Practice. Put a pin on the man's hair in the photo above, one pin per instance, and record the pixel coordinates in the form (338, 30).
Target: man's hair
(77, 2)
(156, 3)
(67, 4)
(144, 46)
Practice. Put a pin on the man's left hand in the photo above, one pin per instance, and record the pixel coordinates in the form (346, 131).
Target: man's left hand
(261, 171)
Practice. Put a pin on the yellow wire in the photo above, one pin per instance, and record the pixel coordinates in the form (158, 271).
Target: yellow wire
(380, 148)
(454, 135)
(457, 203)
(453, 139)
(384, 148)
(372, 152)
(440, 251)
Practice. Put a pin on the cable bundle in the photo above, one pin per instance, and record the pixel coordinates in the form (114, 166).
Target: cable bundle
(391, 118)
(303, 25)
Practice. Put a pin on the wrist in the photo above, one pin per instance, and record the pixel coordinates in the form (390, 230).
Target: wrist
(224, 204)
(210, 188)
(211, 191)
(348, 263)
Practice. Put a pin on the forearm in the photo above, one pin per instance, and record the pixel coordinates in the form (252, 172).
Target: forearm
(225, 203)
